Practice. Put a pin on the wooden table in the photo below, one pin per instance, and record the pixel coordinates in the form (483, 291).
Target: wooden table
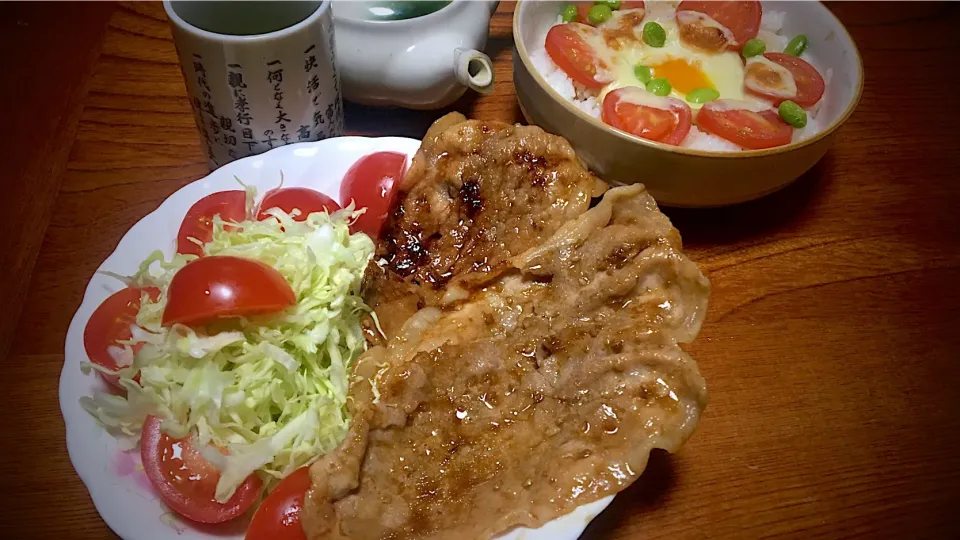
(830, 349)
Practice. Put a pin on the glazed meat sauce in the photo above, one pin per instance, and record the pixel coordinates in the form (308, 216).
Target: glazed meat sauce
(476, 194)
(547, 379)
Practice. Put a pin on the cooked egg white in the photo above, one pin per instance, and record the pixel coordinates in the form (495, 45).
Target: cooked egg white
(687, 69)
(770, 77)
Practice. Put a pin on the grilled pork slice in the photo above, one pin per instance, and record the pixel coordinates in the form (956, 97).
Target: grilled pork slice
(544, 391)
(477, 194)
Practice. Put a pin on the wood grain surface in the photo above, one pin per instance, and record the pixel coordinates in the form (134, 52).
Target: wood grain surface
(831, 348)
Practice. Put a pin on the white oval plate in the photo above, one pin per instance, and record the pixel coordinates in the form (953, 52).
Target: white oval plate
(116, 481)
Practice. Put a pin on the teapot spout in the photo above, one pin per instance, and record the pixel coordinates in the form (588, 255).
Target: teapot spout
(474, 70)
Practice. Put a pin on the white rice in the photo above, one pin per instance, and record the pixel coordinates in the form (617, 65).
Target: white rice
(563, 84)
(770, 27)
(771, 23)
(701, 140)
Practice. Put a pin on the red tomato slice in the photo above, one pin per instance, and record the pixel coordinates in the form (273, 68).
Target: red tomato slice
(583, 9)
(198, 223)
(810, 85)
(570, 51)
(372, 183)
(186, 481)
(583, 12)
(110, 324)
(306, 200)
(221, 286)
(749, 129)
(741, 18)
(278, 517)
(623, 109)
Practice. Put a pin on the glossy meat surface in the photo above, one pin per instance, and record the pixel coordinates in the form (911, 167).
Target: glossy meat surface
(543, 391)
(476, 194)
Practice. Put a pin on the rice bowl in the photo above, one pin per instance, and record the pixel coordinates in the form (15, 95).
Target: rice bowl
(771, 32)
(684, 175)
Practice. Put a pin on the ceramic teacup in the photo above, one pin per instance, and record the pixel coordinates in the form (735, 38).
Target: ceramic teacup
(259, 74)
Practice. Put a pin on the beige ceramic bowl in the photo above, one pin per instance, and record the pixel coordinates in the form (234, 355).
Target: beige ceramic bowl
(679, 176)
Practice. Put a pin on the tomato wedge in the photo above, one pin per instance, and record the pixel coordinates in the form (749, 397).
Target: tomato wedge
(372, 183)
(278, 517)
(741, 18)
(220, 286)
(306, 200)
(198, 223)
(109, 324)
(583, 9)
(567, 46)
(186, 481)
(655, 118)
(750, 129)
(810, 85)
(583, 12)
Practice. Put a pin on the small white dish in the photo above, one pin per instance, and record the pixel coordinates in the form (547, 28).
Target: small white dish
(425, 62)
(115, 479)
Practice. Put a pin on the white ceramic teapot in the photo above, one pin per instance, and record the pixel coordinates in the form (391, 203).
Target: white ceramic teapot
(423, 62)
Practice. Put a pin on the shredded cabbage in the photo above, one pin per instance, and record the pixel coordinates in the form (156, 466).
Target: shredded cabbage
(270, 390)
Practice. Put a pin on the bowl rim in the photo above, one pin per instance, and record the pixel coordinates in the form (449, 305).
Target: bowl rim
(323, 7)
(743, 154)
(380, 24)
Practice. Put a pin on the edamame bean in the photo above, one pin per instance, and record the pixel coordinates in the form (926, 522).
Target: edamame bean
(568, 13)
(702, 95)
(654, 35)
(614, 4)
(643, 73)
(754, 47)
(793, 114)
(599, 13)
(659, 87)
(797, 45)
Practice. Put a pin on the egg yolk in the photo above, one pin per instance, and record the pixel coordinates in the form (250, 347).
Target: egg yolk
(683, 76)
